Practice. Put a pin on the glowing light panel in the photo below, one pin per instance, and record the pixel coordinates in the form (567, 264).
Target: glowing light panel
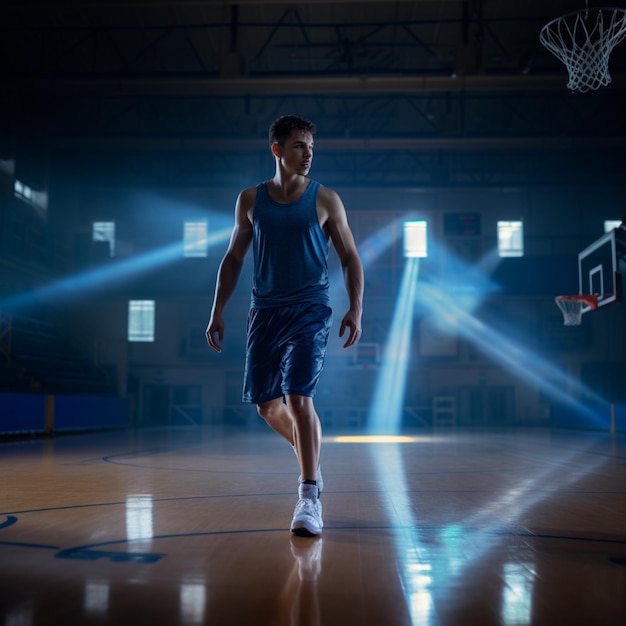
(415, 239)
(105, 231)
(195, 239)
(511, 238)
(141, 320)
(37, 199)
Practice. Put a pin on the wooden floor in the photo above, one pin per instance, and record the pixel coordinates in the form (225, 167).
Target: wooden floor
(190, 526)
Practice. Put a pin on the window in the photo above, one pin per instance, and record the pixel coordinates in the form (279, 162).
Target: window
(37, 199)
(22, 190)
(511, 238)
(141, 320)
(195, 237)
(105, 231)
(610, 225)
(415, 239)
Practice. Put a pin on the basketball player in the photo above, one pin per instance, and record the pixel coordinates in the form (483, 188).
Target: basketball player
(289, 221)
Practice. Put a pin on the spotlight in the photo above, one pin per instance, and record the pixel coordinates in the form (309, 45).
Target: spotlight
(415, 239)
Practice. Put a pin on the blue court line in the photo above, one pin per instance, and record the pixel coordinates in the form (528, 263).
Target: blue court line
(23, 544)
(10, 520)
(520, 454)
(123, 502)
(531, 535)
(421, 529)
(112, 459)
(92, 552)
(278, 473)
(358, 528)
(289, 494)
(391, 529)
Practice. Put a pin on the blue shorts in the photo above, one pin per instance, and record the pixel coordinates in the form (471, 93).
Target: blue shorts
(285, 351)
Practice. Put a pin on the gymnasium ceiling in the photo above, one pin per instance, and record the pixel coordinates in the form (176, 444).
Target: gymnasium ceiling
(420, 93)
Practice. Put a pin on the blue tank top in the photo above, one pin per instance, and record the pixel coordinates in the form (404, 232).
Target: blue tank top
(290, 251)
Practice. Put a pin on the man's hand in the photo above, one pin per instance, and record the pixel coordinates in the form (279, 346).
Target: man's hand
(352, 321)
(215, 327)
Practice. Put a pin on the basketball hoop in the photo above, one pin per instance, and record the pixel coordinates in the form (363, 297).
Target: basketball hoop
(583, 40)
(573, 307)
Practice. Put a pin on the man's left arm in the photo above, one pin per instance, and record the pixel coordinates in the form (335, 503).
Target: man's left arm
(343, 241)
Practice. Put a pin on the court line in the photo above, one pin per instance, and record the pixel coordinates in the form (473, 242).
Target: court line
(24, 544)
(93, 551)
(220, 496)
(499, 470)
(10, 520)
(463, 471)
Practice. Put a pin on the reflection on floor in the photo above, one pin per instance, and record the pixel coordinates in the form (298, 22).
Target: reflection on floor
(189, 526)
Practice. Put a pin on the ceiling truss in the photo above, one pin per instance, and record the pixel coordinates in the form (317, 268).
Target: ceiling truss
(389, 83)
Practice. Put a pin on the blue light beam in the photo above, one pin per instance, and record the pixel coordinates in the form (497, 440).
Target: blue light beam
(525, 364)
(370, 250)
(87, 282)
(385, 415)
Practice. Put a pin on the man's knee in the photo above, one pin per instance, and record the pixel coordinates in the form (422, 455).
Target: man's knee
(301, 407)
(269, 410)
(264, 410)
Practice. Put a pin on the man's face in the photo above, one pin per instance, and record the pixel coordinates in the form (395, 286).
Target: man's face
(296, 155)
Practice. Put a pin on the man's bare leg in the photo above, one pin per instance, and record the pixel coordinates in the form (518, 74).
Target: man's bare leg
(291, 421)
(277, 416)
(307, 434)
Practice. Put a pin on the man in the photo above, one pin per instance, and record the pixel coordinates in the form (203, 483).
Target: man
(289, 220)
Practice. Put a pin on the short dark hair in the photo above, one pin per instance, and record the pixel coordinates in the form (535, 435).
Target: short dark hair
(282, 127)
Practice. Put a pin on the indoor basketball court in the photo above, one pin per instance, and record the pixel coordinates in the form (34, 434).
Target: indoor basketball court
(473, 441)
(189, 526)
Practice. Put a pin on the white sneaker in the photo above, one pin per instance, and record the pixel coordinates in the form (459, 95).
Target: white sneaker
(307, 516)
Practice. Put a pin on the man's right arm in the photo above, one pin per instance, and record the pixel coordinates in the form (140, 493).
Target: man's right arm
(230, 267)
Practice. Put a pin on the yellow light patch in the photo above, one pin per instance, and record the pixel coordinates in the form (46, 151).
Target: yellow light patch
(375, 439)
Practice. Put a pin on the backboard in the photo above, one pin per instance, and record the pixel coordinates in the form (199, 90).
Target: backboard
(599, 270)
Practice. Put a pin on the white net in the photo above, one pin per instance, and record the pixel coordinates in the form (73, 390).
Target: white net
(583, 40)
(572, 311)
